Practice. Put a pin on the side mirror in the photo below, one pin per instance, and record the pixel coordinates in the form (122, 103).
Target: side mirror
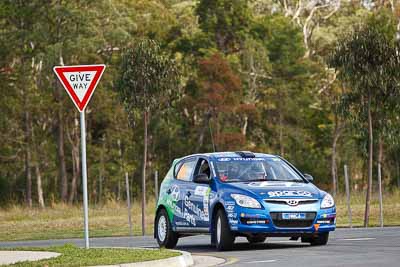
(201, 178)
(308, 177)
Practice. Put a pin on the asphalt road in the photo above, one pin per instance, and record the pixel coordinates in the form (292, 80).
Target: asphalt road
(347, 247)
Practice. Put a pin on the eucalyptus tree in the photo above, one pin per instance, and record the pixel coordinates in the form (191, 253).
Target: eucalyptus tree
(367, 61)
(148, 79)
(19, 67)
(226, 21)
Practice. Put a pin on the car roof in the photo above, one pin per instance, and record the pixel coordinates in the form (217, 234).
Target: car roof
(227, 154)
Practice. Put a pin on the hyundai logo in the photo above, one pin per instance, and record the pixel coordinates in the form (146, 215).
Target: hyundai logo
(292, 202)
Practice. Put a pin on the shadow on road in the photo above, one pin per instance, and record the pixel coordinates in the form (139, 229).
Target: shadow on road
(199, 248)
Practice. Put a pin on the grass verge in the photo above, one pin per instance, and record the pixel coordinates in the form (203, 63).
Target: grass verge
(65, 221)
(72, 256)
(391, 209)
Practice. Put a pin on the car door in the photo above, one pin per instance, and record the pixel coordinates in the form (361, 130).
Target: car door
(196, 198)
(179, 190)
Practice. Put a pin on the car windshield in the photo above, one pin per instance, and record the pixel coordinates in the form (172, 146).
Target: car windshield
(255, 169)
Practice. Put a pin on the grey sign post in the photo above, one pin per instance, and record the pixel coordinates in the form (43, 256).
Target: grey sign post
(128, 201)
(84, 179)
(156, 184)
(347, 184)
(380, 196)
(80, 82)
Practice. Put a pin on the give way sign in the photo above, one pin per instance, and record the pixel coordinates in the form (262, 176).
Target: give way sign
(80, 82)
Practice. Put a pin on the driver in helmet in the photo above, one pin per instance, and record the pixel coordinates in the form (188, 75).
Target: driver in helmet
(233, 171)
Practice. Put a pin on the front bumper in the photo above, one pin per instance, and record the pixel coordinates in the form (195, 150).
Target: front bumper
(269, 220)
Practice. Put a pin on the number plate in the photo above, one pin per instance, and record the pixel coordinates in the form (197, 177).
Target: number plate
(293, 216)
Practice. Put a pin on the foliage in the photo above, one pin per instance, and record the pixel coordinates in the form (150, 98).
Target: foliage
(367, 61)
(244, 83)
(148, 78)
(228, 22)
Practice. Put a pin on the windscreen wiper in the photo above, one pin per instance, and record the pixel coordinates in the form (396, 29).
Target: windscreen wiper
(257, 180)
(293, 180)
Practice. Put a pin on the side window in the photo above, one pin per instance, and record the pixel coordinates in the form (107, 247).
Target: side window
(186, 170)
(203, 167)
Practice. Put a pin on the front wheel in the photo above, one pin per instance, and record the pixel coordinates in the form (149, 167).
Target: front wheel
(166, 238)
(319, 240)
(224, 238)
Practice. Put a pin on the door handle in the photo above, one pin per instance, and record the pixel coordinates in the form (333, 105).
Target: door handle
(169, 191)
(188, 194)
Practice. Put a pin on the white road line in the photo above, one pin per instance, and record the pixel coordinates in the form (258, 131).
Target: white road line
(266, 261)
(359, 239)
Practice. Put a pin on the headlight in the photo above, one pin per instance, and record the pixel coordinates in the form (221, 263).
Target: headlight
(327, 202)
(245, 201)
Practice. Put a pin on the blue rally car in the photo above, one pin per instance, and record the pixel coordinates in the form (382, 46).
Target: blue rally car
(230, 194)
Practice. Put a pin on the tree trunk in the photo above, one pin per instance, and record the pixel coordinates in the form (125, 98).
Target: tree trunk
(370, 163)
(398, 174)
(28, 173)
(169, 136)
(145, 119)
(336, 134)
(60, 145)
(74, 140)
(203, 132)
(217, 141)
(122, 166)
(119, 190)
(39, 185)
(28, 158)
(101, 178)
(75, 173)
(334, 167)
(102, 170)
(203, 129)
(61, 157)
(281, 147)
(59, 118)
(38, 174)
(380, 150)
(245, 124)
(380, 158)
(211, 135)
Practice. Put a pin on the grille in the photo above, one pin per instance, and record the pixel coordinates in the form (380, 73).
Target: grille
(292, 223)
(291, 202)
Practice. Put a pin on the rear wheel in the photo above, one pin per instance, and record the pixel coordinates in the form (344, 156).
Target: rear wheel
(256, 239)
(319, 240)
(166, 238)
(224, 238)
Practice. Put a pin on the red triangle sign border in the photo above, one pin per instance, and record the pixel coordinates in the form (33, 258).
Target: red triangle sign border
(60, 72)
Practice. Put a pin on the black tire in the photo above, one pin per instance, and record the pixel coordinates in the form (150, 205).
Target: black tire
(256, 239)
(169, 238)
(224, 238)
(319, 240)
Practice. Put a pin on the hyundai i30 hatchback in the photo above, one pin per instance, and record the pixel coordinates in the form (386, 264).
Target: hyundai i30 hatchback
(230, 194)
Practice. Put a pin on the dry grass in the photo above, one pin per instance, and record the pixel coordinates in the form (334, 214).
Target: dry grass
(62, 221)
(391, 209)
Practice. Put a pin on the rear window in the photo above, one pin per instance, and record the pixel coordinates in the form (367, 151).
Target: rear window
(185, 170)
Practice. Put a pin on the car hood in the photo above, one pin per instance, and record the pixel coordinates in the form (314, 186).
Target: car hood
(278, 189)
